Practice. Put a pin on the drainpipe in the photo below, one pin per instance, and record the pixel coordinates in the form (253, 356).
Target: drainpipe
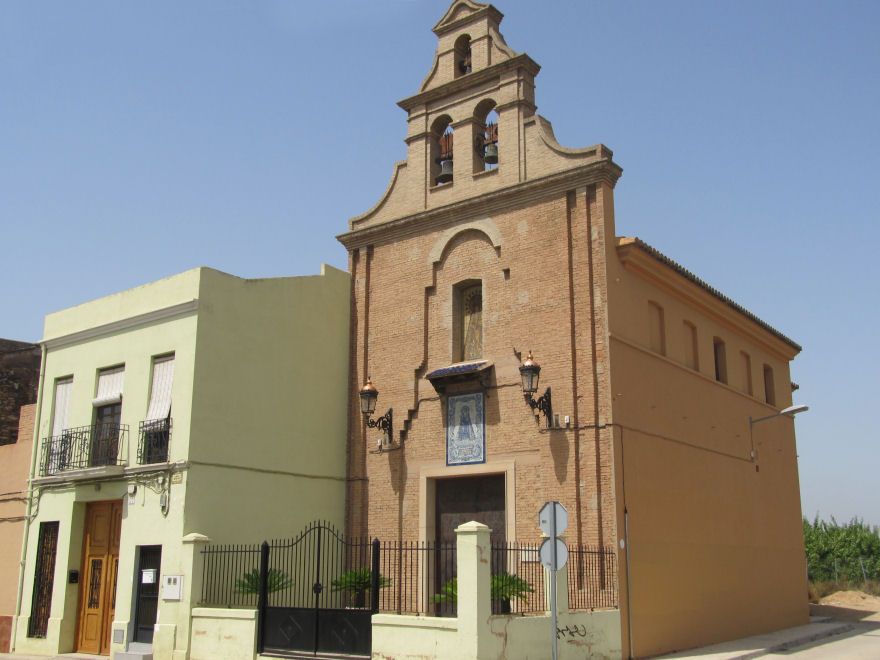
(30, 500)
(629, 612)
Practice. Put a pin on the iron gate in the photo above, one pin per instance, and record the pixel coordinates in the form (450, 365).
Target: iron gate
(318, 592)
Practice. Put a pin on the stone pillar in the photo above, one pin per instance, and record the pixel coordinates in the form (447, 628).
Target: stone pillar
(474, 600)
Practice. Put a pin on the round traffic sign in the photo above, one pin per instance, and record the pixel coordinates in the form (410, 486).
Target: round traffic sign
(548, 548)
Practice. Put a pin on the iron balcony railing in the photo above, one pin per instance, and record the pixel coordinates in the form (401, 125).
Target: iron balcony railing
(84, 447)
(153, 438)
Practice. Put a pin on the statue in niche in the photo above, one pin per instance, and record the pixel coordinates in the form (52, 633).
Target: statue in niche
(472, 323)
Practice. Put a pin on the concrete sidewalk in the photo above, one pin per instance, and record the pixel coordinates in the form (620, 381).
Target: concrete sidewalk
(63, 656)
(738, 649)
(774, 642)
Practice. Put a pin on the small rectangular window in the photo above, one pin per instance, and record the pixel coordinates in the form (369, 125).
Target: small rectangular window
(467, 313)
(769, 385)
(720, 360)
(691, 347)
(746, 373)
(658, 328)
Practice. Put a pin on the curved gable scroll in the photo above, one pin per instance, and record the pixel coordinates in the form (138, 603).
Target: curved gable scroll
(483, 225)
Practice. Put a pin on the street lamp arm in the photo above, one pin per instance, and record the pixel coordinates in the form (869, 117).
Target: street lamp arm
(788, 412)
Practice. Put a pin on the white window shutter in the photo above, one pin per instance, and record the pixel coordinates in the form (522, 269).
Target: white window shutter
(109, 386)
(61, 418)
(160, 394)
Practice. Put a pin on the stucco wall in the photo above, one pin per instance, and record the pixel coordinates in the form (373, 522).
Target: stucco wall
(130, 336)
(232, 505)
(143, 524)
(258, 429)
(14, 463)
(715, 538)
(222, 634)
(594, 635)
(269, 405)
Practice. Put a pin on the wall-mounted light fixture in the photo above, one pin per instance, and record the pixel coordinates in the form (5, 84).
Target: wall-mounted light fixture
(369, 394)
(791, 411)
(788, 412)
(530, 371)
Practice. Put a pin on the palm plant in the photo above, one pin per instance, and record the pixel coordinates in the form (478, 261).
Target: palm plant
(276, 580)
(357, 582)
(503, 587)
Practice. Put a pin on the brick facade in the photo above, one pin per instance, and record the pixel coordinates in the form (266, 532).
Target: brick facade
(19, 381)
(532, 233)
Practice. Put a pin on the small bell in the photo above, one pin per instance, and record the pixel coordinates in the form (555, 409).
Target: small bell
(491, 156)
(445, 171)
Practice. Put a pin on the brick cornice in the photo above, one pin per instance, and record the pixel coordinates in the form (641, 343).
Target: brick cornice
(604, 170)
(521, 61)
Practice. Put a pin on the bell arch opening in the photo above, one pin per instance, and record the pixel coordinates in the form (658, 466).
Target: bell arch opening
(462, 59)
(486, 136)
(441, 151)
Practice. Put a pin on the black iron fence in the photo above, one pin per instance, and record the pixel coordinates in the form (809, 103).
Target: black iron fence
(153, 438)
(517, 579)
(592, 578)
(83, 447)
(420, 578)
(417, 578)
(231, 575)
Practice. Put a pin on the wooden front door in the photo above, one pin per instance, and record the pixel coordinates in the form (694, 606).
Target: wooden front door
(97, 601)
(460, 500)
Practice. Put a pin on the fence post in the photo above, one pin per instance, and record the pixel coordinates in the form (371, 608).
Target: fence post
(836, 577)
(474, 591)
(374, 578)
(264, 594)
(864, 575)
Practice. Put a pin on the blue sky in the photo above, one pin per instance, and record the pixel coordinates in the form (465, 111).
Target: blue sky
(138, 140)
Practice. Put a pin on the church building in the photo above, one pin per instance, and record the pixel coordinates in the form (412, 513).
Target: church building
(662, 413)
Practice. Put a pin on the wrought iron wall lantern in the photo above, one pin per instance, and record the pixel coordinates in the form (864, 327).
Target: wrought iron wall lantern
(369, 394)
(530, 371)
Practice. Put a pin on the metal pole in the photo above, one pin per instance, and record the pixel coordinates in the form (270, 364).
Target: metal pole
(864, 575)
(374, 578)
(553, 570)
(629, 612)
(264, 593)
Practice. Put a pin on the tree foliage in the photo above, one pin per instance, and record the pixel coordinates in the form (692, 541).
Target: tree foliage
(851, 545)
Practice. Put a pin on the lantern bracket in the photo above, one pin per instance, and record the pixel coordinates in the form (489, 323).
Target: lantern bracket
(542, 404)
